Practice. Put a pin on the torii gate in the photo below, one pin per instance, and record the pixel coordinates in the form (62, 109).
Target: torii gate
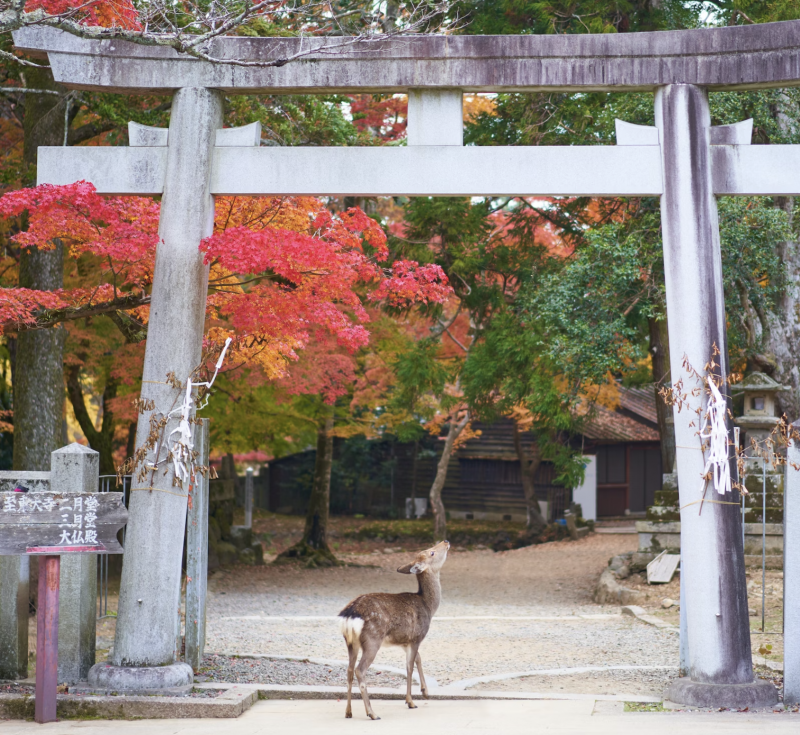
(683, 160)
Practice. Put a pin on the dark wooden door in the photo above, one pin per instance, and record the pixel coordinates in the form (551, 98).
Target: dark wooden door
(612, 480)
(645, 477)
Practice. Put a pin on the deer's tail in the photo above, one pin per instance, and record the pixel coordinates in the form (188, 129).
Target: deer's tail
(351, 628)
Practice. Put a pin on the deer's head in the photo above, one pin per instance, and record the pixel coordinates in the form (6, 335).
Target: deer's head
(430, 560)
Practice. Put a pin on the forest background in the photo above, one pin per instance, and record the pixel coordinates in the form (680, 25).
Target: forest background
(534, 309)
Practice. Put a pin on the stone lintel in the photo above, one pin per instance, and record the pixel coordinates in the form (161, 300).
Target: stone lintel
(736, 57)
(423, 170)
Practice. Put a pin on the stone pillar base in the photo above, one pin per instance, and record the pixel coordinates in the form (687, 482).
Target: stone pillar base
(759, 693)
(173, 680)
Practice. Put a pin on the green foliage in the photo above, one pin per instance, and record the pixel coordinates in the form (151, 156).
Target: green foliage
(306, 120)
(752, 231)
(558, 118)
(775, 113)
(248, 414)
(419, 370)
(577, 16)
(585, 309)
(593, 311)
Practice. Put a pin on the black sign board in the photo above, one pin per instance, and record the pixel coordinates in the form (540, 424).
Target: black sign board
(60, 523)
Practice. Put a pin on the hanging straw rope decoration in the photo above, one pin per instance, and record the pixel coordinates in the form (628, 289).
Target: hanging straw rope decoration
(183, 446)
(715, 430)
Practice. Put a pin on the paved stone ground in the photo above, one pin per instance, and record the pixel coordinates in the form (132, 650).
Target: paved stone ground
(284, 717)
(512, 613)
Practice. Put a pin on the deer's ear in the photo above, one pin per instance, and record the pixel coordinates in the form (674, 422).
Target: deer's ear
(413, 568)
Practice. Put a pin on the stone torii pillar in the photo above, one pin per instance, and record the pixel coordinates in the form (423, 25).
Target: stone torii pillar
(713, 583)
(177, 161)
(150, 589)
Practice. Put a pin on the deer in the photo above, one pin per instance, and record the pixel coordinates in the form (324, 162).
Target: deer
(403, 619)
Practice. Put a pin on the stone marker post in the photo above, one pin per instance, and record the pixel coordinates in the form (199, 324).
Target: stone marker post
(791, 576)
(76, 469)
(720, 671)
(197, 556)
(151, 574)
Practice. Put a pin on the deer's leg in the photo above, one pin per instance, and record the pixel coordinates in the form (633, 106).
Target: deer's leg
(369, 649)
(411, 655)
(353, 653)
(422, 685)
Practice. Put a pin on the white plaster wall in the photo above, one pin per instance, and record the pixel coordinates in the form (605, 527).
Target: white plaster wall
(586, 494)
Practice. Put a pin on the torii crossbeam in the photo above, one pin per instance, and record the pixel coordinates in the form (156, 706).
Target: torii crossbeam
(684, 161)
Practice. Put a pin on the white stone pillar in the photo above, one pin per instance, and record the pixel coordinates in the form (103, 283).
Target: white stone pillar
(791, 576)
(151, 573)
(714, 590)
(76, 469)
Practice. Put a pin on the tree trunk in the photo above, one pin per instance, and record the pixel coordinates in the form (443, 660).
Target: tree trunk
(38, 390)
(101, 441)
(39, 359)
(130, 445)
(39, 371)
(528, 467)
(439, 513)
(316, 530)
(659, 350)
(313, 547)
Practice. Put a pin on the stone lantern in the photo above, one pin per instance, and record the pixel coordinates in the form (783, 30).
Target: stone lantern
(758, 419)
(757, 422)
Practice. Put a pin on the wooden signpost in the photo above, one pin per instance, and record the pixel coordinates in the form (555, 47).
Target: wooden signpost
(47, 525)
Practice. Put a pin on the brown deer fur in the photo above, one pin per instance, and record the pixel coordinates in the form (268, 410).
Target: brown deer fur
(373, 620)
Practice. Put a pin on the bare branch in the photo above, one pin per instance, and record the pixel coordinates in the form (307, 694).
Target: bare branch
(160, 27)
(46, 319)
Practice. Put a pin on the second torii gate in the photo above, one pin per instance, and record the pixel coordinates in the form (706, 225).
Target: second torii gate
(683, 160)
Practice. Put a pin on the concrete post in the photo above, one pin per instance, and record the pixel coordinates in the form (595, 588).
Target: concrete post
(197, 557)
(791, 576)
(712, 558)
(151, 573)
(76, 469)
(248, 498)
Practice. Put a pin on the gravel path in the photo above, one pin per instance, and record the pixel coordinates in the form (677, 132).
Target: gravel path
(515, 611)
(235, 670)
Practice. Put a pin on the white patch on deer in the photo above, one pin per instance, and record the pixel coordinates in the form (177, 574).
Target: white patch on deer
(351, 630)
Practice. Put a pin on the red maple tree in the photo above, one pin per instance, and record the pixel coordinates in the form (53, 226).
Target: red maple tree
(281, 268)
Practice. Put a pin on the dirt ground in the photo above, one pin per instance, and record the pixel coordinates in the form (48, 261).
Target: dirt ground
(502, 615)
(520, 620)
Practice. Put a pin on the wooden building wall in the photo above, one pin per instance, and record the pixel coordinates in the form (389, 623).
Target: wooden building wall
(483, 477)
